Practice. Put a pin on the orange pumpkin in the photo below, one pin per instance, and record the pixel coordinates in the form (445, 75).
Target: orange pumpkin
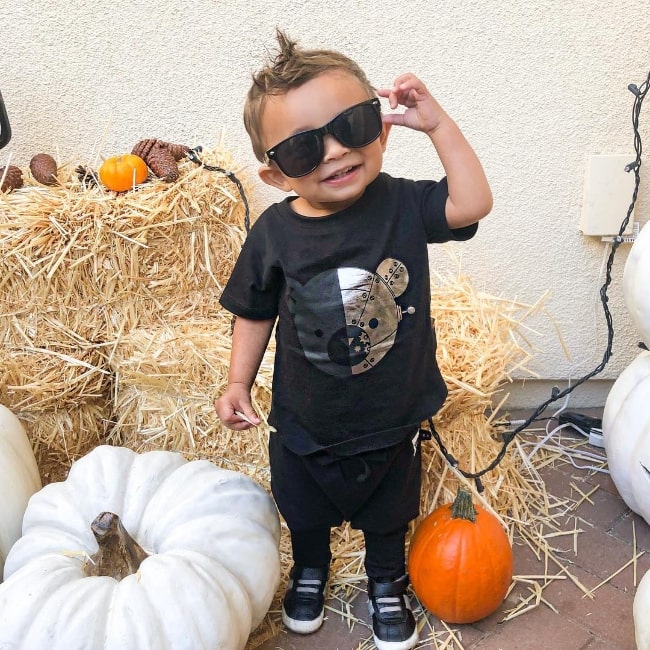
(121, 173)
(460, 561)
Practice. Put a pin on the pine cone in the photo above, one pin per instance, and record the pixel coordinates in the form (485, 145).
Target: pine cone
(144, 147)
(43, 168)
(162, 164)
(86, 176)
(13, 179)
(160, 159)
(177, 150)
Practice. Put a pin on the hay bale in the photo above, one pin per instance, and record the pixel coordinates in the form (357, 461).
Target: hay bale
(80, 266)
(120, 261)
(59, 437)
(482, 340)
(45, 365)
(167, 379)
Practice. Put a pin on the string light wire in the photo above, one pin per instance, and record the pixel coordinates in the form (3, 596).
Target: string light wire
(639, 93)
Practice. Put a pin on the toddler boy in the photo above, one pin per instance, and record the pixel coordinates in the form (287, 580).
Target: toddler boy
(340, 267)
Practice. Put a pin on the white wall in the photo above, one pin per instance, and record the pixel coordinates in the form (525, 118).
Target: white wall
(536, 86)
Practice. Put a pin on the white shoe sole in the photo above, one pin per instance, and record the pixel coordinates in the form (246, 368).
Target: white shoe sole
(302, 627)
(407, 644)
(397, 645)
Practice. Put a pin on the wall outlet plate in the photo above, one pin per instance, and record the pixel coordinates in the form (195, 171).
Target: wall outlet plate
(607, 195)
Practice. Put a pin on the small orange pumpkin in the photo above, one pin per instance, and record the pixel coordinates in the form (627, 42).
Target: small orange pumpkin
(121, 173)
(460, 561)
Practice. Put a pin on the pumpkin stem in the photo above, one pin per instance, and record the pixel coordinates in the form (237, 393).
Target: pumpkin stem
(119, 555)
(463, 507)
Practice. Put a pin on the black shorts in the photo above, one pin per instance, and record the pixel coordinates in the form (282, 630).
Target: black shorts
(376, 491)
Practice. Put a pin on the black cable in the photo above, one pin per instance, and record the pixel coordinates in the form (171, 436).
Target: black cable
(193, 155)
(639, 93)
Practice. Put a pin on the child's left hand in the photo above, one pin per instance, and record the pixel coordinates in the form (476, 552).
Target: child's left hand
(423, 113)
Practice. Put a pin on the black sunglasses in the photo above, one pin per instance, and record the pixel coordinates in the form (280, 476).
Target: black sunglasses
(355, 127)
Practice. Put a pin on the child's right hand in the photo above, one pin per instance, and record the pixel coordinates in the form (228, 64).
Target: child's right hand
(236, 400)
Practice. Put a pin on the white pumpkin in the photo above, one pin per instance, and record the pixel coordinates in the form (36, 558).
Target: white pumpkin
(635, 283)
(641, 613)
(19, 479)
(212, 568)
(626, 434)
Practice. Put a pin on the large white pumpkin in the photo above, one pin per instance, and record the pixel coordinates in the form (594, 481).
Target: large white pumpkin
(641, 610)
(19, 479)
(212, 569)
(636, 278)
(626, 434)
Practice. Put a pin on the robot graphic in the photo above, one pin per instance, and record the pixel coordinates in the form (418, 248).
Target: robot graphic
(347, 318)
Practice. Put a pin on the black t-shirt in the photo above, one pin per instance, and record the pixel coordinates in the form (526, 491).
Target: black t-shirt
(355, 364)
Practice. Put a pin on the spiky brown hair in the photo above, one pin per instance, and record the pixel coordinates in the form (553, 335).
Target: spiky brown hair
(291, 67)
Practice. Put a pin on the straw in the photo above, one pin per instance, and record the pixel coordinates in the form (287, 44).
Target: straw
(81, 265)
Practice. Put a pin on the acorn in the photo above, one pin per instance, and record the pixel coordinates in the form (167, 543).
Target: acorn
(43, 168)
(13, 179)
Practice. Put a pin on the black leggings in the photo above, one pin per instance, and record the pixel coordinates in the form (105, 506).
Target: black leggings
(385, 554)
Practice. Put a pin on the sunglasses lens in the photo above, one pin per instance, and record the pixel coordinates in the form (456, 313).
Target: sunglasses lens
(300, 154)
(358, 126)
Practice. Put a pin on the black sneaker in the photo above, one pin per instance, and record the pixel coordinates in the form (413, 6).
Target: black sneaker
(393, 623)
(303, 607)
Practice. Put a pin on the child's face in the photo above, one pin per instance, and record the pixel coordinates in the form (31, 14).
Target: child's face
(344, 172)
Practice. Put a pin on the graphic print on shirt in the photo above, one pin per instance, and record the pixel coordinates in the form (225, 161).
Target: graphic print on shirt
(347, 318)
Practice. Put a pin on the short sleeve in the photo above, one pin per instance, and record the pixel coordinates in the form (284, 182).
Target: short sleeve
(433, 201)
(254, 286)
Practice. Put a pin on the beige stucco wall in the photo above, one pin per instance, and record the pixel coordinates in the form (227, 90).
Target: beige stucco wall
(536, 86)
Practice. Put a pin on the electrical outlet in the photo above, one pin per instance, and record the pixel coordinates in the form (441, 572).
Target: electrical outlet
(607, 195)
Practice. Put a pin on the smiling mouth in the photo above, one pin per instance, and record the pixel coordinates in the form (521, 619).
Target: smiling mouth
(340, 174)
